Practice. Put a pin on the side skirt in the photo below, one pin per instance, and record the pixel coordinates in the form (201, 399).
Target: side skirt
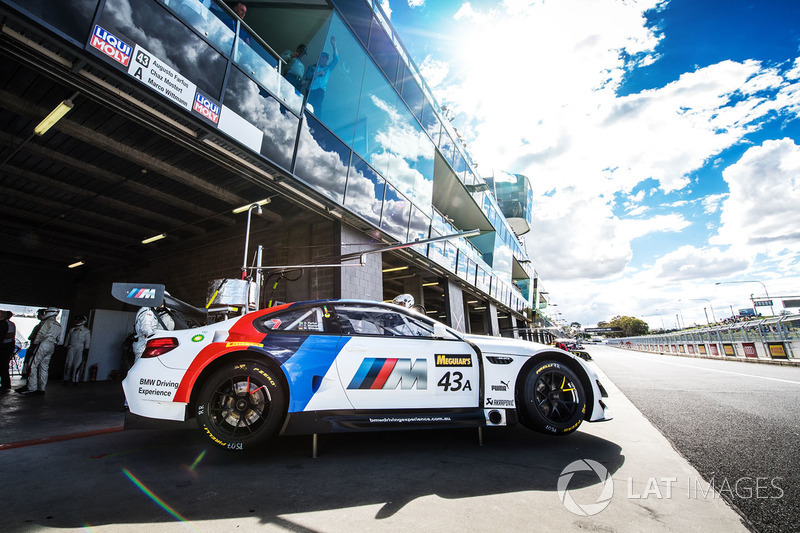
(311, 422)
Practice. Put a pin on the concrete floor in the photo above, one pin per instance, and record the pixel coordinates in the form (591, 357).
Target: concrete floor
(438, 480)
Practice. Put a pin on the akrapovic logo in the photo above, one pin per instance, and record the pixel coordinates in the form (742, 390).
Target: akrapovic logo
(389, 374)
(141, 293)
(453, 360)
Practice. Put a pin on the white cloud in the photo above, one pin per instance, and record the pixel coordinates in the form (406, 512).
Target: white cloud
(534, 90)
(434, 71)
(575, 237)
(465, 12)
(761, 213)
(711, 203)
(386, 8)
(690, 263)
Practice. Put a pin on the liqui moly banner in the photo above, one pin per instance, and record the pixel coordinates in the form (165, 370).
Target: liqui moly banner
(112, 46)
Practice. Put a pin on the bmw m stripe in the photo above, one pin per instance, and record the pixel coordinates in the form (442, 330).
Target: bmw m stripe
(373, 373)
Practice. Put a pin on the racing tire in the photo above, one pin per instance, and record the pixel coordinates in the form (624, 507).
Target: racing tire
(554, 399)
(241, 405)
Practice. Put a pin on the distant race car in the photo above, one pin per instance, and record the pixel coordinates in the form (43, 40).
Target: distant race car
(345, 365)
(573, 347)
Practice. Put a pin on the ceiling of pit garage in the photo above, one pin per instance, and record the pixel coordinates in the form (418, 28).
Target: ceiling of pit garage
(107, 176)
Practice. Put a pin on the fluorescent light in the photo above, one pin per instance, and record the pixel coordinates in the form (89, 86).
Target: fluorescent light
(394, 269)
(432, 284)
(154, 238)
(472, 301)
(73, 265)
(431, 312)
(244, 208)
(479, 308)
(54, 116)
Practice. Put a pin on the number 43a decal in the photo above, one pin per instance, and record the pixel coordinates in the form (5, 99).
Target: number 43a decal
(454, 383)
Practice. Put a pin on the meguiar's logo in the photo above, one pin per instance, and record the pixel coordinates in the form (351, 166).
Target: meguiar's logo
(382, 373)
(453, 360)
(142, 293)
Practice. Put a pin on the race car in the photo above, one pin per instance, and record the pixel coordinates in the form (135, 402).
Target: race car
(350, 365)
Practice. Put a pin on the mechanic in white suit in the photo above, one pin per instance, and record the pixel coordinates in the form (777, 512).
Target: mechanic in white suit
(78, 340)
(46, 338)
(148, 321)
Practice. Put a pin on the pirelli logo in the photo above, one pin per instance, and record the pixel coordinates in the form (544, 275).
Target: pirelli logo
(453, 360)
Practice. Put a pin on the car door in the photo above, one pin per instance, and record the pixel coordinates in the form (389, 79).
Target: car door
(389, 359)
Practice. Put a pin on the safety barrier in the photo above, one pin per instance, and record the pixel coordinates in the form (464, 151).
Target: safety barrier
(775, 338)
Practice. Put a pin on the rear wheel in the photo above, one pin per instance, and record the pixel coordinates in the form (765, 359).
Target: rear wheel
(241, 405)
(554, 399)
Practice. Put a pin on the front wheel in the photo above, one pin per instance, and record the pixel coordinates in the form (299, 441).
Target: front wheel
(554, 399)
(241, 405)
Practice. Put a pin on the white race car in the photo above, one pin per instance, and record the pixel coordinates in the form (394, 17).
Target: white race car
(347, 365)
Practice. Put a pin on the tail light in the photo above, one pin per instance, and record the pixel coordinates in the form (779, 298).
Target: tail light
(156, 347)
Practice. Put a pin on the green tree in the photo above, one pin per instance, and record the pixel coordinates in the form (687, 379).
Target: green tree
(631, 327)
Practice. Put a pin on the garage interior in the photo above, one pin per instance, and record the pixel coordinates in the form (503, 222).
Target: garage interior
(122, 188)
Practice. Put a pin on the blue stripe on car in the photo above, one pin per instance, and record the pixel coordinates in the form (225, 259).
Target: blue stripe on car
(312, 359)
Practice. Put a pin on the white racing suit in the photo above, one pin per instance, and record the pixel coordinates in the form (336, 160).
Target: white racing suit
(78, 340)
(146, 326)
(46, 338)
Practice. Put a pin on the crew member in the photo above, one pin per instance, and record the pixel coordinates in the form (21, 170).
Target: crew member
(78, 340)
(46, 338)
(148, 321)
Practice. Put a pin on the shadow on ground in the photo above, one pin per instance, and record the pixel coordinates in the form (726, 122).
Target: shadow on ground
(199, 482)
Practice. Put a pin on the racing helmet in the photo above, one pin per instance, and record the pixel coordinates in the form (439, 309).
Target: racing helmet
(404, 300)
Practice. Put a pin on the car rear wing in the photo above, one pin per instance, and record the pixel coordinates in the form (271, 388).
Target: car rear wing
(154, 295)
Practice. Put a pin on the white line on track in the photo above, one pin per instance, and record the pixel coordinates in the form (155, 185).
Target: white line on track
(727, 372)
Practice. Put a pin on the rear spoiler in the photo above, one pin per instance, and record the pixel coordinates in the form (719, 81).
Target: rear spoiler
(139, 294)
(154, 295)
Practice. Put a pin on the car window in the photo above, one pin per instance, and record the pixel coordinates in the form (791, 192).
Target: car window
(367, 320)
(304, 319)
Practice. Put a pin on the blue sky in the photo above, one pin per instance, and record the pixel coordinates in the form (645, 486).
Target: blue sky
(664, 133)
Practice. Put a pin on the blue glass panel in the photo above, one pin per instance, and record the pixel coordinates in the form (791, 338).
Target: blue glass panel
(364, 191)
(148, 24)
(322, 159)
(211, 22)
(341, 94)
(418, 229)
(472, 272)
(459, 165)
(412, 95)
(383, 51)
(396, 210)
(470, 178)
(358, 14)
(74, 18)
(502, 266)
(401, 75)
(260, 109)
(430, 123)
(450, 254)
(463, 264)
(436, 249)
(446, 146)
(257, 62)
(394, 142)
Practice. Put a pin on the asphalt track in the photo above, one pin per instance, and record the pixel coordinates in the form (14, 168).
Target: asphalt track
(437, 480)
(736, 423)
